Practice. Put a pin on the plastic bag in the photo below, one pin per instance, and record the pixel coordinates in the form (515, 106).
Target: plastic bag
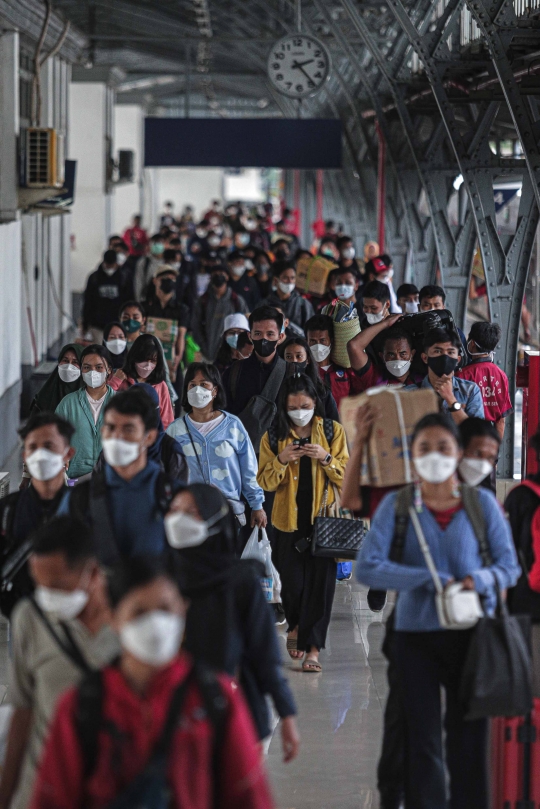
(261, 551)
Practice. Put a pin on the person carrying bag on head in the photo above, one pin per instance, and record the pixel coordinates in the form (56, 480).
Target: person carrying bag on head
(453, 554)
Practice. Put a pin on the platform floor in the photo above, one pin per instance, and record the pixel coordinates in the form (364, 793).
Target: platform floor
(340, 714)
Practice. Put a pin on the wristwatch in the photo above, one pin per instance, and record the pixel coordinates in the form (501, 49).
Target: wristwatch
(327, 459)
(455, 407)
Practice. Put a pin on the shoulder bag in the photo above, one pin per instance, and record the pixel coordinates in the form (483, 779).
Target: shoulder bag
(261, 409)
(456, 608)
(336, 537)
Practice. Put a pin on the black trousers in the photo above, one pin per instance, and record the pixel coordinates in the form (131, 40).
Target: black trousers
(426, 661)
(308, 585)
(391, 768)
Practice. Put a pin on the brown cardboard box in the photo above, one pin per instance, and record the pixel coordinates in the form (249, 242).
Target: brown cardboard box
(387, 460)
(166, 330)
(312, 273)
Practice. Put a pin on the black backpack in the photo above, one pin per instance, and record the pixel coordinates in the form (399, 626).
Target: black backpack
(89, 500)
(149, 790)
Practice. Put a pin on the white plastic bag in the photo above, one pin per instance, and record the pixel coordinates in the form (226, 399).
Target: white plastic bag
(262, 552)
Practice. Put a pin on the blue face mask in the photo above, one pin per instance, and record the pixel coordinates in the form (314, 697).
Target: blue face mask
(232, 340)
(283, 329)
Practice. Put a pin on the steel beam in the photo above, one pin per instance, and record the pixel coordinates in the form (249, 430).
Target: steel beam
(505, 266)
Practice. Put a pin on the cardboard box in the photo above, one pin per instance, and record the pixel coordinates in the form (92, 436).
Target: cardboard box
(387, 459)
(312, 273)
(163, 328)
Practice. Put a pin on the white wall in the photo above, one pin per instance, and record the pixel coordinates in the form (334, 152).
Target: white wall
(90, 214)
(197, 187)
(10, 304)
(44, 248)
(128, 134)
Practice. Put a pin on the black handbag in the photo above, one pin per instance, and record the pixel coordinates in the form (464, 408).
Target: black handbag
(497, 676)
(336, 537)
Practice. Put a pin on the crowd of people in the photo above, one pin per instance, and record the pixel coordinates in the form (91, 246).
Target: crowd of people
(200, 403)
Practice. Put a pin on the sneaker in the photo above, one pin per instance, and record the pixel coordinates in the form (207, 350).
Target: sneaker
(376, 600)
(279, 614)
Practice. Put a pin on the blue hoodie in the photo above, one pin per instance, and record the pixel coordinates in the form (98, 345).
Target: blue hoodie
(225, 458)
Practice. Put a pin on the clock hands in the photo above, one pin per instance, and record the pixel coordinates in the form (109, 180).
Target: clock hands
(300, 66)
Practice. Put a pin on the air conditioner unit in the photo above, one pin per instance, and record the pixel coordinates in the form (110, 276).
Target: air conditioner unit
(44, 158)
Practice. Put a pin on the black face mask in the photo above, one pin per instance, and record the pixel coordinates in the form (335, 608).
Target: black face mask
(296, 368)
(281, 254)
(443, 365)
(264, 348)
(218, 279)
(167, 285)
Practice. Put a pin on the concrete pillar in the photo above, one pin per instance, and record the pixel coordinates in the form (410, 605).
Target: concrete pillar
(128, 134)
(91, 97)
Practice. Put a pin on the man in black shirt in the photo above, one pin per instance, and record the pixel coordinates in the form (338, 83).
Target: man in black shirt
(265, 324)
(244, 285)
(164, 306)
(46, 453)
(106, 290)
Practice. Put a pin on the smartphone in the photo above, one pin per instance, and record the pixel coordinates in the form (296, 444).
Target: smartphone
(299, 442)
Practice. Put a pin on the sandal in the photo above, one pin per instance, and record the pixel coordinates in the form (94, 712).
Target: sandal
(311, 665)
(292, 646)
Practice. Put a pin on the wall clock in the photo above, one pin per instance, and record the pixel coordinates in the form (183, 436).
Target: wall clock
(298, 65)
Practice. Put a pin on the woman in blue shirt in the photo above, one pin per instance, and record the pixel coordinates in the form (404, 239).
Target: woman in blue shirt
(217, 448)
(428, 656)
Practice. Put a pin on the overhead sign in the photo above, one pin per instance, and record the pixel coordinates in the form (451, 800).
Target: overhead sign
(310, 143)
(503, 196)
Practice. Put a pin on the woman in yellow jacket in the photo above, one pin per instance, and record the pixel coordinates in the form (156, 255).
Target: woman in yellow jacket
(297, 461)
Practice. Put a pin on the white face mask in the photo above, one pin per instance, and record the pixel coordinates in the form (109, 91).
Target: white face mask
(238, 271)
(94, 379)
(184, 531)
(411, 307)
(301, 417)
(214, 241)
(44, 464)
(286, 288)
(69, 373)
(144, 369)
(374, 318)
(474, 470)
(398, 367)
(319, 352)
(386, 277)
(348, 252)
(199, 396)
(435, 467)
(121, 259)
(109, 270)
(61, 603)
(118, 452)
(344, 291)
(153, 638)
(116, 346)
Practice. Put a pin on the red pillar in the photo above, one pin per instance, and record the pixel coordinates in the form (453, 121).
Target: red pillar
(381, 190)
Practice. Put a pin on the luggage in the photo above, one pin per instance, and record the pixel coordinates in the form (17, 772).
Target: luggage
(515, 761)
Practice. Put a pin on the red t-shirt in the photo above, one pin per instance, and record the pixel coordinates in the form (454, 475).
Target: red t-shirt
(341, 381)
(444, 518)
(494, 386)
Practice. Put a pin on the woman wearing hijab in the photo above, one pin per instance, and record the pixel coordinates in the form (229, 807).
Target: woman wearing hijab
(65, 379)
(115, 339)
(229, 625)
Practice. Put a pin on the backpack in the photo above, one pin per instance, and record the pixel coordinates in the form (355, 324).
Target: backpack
(260, 411)
(533, 574)
(149, 790)
(473, 510)
(328, 427)
(89, 500)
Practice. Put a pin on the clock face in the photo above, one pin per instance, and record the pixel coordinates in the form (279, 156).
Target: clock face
(298, 65)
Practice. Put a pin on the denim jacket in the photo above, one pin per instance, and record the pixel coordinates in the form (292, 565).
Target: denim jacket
(225, 458)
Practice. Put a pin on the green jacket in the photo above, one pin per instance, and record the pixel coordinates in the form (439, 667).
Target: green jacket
(87, 439)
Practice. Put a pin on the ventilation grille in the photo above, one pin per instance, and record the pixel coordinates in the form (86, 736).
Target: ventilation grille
(41, 158)
(4, 484)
